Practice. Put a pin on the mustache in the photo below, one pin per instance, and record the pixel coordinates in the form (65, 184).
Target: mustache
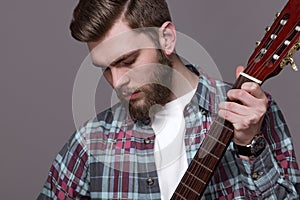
(126, 91)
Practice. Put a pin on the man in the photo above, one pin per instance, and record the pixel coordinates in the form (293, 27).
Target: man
(141, 147)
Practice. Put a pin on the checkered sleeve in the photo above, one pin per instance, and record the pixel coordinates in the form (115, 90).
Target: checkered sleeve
(275, 173)
(68, 177)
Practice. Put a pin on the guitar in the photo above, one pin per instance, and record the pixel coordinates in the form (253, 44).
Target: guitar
(275, 51)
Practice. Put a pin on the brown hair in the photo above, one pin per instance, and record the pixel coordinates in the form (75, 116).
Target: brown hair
(93, 18)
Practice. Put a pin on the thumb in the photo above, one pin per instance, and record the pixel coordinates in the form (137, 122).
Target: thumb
(238, 70)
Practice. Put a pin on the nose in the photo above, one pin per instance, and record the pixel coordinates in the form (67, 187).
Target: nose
(119, 77)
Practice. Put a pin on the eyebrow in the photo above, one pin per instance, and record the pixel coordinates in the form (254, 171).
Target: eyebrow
(118, 60)
(124, 57)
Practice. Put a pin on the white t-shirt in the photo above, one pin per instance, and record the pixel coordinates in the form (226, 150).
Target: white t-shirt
(169, 148)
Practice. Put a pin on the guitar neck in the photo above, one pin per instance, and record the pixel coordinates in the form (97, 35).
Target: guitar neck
(206, 160)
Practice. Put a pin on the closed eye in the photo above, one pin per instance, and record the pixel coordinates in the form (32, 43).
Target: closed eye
(128, 61)
(125, 60)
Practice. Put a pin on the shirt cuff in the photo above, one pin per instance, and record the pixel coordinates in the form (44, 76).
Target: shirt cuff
(259, 174)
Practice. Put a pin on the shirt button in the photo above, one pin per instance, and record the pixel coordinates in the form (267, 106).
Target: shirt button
(187, 107)
(147, 140)
(255, 176)
(150, 181)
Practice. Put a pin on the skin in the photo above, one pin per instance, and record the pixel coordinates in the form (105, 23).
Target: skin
(246, 118)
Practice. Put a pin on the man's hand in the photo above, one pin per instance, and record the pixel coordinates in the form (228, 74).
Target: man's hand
(246, 117)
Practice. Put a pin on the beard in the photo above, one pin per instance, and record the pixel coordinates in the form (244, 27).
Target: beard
(155, 94)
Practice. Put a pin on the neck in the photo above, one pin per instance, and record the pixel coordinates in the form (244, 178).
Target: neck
(183, 80)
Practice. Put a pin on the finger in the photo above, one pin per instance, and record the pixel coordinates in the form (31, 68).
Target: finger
(250, 95)
(242, 96)
(234, 108)
(238, 70)
(254, 89)
(238, 121)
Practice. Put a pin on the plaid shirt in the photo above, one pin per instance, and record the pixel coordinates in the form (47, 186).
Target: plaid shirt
(111, 156)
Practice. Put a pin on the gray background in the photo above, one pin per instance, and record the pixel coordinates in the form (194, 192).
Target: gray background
(39, 62)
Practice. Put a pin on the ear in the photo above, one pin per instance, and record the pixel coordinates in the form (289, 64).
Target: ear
(167, 33)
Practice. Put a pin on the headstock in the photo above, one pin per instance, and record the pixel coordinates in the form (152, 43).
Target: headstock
(278, 46)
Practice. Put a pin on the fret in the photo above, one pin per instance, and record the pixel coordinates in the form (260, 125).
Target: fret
(208, 169)
(184, 196)
(202, 170)
(215, 139)
(187, 192)
(211, 146)
(198, 171)
(177, 194)
(190, 189)
(207, 152)
(199, 179)
(189, 185)
(217, 128)
(223, 125)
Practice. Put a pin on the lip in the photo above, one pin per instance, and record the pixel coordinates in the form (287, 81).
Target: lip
(132, 96)
(136, 95)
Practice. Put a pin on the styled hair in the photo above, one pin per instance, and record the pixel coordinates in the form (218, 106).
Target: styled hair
(92, 19)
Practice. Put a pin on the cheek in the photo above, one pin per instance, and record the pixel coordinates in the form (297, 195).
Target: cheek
(144, 78)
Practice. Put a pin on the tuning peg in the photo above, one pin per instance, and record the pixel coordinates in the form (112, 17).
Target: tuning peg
(267, 28)
(257, 43)
(295, 48)
(293, 64)
(277, 15)
(289, 58)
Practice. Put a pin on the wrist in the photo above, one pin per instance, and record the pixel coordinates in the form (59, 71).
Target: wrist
(253, 149)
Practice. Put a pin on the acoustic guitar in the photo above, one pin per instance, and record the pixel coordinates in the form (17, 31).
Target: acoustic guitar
(275, 51)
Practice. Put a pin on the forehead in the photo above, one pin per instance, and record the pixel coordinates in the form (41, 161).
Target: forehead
(120, 40)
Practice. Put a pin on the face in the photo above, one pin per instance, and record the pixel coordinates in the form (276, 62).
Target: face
(140, 73)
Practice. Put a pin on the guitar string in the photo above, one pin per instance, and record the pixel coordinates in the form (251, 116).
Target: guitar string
(281, 48)
(268, 60)
(280, 24)
(196, 167)
(268, 43)
(293, 33)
